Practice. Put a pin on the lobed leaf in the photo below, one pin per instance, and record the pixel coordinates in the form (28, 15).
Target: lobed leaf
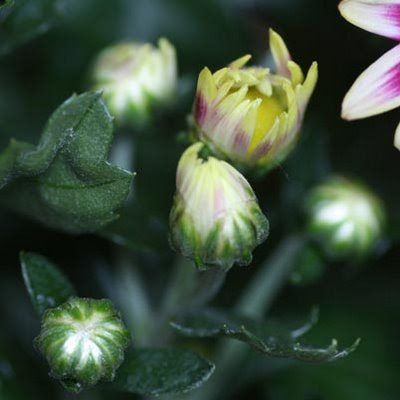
(65, 181)
(47, 286)
(271, 338)
(152, 372)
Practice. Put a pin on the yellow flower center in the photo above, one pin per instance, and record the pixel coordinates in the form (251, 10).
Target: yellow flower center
(269, 109)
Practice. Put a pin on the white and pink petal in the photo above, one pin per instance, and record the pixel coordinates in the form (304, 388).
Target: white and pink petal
(378, 16)
(397, 137)
(376, 90)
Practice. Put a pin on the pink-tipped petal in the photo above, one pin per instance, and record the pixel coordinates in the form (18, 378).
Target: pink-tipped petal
(376, 90)
(377, 16)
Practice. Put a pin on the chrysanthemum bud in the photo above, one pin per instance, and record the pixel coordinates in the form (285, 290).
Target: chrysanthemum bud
(136, 77)
(250, 116)
(84, 341)
(215, 218)
(345, 217)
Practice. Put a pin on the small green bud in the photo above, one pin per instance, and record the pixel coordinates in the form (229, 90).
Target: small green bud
(136, 77)
(345, 217)
(84, 341)
(215, 218)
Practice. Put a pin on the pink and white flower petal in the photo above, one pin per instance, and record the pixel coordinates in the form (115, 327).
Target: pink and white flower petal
(206, 86)
(258, 155)
(233, 132)
(377, 16)
(376, 90)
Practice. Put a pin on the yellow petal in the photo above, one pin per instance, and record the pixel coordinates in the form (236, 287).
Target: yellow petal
(206, 85)
(240, 62)
(280, 53)
(296, 73)
(305, 91)
(268, 110)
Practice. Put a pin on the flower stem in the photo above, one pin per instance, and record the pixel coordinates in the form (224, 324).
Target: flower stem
(255, 301)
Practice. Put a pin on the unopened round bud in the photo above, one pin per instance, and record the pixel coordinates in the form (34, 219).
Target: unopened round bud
(249, 115)
(345, 217)
(136, 78)
(84, 341)
(215, 218)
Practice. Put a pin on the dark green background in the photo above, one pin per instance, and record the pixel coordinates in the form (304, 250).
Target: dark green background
(355, 301)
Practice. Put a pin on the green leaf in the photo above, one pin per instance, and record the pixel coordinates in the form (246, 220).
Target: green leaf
(66, 182)
(152, 372)
(271, 338)
(22, 20)
(47, 286)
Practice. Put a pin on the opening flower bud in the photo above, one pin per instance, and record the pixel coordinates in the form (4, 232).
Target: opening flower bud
(136, 77)
(215, 218)
(84, 341)
(250, 116)
(345, 217)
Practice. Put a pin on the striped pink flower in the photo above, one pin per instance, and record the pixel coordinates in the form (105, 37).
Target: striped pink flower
(252, 116)
(377, 89)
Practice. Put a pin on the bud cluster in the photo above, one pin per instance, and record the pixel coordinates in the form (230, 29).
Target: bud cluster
(243, 116)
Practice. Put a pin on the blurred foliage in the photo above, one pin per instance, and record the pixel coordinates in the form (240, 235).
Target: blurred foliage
(38, 74)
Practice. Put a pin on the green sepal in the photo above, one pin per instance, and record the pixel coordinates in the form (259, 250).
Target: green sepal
(214, 252)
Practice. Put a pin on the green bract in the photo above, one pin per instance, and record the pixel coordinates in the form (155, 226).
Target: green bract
(215, 218)
(345, 217)
(84, 341)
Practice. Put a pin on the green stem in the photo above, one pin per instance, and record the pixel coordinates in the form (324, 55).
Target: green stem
(255, 301)
(133, 300)
(270, 278)
(188, 288)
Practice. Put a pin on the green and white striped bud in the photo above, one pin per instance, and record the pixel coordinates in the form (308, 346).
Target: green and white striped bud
(84, 341)
(135, 78)
(215, 218)
(345, 217)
